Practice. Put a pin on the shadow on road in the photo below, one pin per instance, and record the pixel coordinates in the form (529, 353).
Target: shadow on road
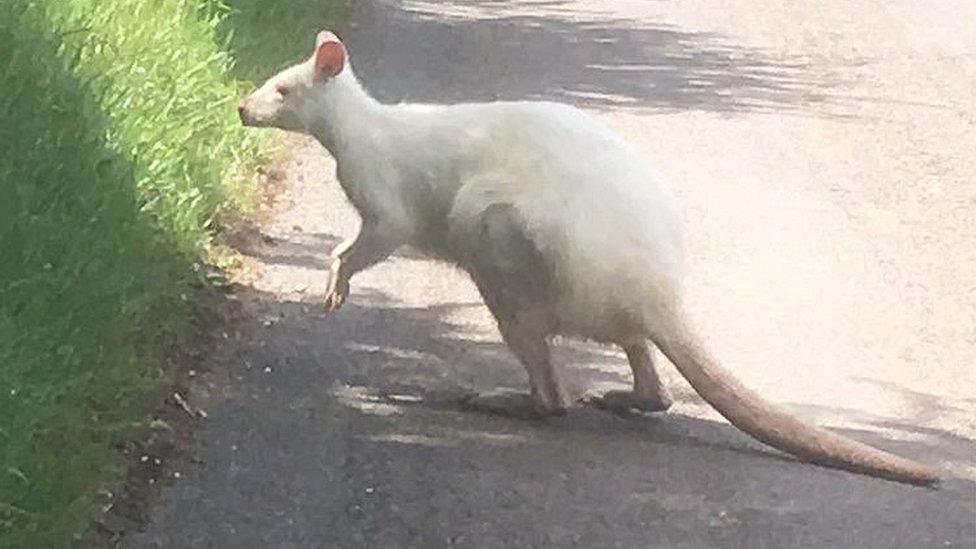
(597, 62)
(346, 427)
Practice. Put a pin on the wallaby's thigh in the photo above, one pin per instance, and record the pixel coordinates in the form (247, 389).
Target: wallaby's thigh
(511, 273)
(517, 286)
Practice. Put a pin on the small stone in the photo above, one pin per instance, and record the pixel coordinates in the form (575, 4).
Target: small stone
(407, 399)
(160, 425)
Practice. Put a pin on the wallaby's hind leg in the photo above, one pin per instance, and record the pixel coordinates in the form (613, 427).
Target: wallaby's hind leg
(649, 394)
(531, 346)
(516, 284)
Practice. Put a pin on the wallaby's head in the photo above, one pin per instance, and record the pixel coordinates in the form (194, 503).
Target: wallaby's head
(289, 99)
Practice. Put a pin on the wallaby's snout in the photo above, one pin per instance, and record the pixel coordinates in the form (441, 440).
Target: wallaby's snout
(249, 111)
(266, 107)
(292, 99)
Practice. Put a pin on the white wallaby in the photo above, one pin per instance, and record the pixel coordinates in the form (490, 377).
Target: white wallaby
(560, 223)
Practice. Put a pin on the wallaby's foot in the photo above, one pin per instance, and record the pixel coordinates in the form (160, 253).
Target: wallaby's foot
(512, 404)
(629, 402)
(336, 292)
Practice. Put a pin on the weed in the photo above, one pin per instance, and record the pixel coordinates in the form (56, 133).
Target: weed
(119, 151)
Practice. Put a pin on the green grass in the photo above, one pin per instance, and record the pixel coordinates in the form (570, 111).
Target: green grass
(266, 36)
(119, 146)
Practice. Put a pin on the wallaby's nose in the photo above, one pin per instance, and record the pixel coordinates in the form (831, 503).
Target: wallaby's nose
(241, 109)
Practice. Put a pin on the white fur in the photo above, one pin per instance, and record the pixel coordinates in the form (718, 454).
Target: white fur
(590, 202)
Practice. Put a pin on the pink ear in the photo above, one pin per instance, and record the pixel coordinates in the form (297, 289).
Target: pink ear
(330, 58)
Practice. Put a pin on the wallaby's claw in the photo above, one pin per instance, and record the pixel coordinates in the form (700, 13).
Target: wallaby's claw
(336, 292)
(334, 301)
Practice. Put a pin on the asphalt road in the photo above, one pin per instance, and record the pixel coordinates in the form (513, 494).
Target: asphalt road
(824, 157)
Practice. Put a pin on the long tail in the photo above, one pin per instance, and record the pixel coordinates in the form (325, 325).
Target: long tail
(750, 413)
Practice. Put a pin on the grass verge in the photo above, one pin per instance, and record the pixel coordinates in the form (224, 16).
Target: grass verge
(119, 151)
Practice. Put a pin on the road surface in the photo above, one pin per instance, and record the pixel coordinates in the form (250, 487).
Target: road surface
(824, 158)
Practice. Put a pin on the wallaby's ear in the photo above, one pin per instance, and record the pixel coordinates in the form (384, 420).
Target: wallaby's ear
(330, 55)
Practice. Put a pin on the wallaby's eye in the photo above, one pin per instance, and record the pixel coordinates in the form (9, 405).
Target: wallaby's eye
(283, 91)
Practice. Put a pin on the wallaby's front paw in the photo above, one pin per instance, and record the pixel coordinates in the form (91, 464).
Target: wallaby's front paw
(336, 292)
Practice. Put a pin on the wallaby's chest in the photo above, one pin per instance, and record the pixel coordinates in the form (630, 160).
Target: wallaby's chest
(411, 196)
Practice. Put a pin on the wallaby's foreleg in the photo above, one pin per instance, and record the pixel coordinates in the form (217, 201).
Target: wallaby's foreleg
(373, 244)
(649, 394)
(524, 336)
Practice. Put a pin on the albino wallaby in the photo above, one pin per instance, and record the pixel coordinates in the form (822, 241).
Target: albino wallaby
(560, 223)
